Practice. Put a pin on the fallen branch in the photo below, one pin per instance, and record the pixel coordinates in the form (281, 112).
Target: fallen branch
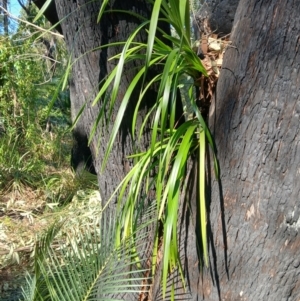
(28, 23)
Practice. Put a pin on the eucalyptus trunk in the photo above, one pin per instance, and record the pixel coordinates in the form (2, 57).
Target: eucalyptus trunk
(84, 36)
(254, 212)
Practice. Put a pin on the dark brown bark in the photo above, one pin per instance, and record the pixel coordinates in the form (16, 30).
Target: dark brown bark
(254, 213)
(83, 35)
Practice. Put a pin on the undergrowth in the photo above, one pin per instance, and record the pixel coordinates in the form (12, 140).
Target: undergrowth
(37, 184)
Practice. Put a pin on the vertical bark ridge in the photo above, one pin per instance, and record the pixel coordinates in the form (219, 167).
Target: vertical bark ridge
(257, 135)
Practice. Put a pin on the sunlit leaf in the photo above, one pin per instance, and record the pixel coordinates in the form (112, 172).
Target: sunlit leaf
(42, 10)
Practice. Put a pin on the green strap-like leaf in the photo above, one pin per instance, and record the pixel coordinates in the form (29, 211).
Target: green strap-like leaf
(42, 10)
(202, 146)
(102, 10)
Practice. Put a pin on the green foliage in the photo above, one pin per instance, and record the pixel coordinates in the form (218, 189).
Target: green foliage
(17, 79)
(60, 188)
(17, 169)
(26, 144)
(83, 263)
(36, 158)
(172, 146)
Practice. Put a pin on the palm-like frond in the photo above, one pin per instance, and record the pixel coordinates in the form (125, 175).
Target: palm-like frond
(89, 267)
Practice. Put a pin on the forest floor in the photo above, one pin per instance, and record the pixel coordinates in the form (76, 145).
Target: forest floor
(27, 211)
(24, 217)
(22, 220)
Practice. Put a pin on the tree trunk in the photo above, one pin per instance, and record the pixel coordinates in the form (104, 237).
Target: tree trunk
(91, 66)
(215, 16)
(254, 212)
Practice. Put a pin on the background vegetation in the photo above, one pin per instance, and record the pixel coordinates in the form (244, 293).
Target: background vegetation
(36, 181)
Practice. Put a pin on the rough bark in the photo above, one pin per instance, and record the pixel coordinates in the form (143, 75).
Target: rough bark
(215, 16)
(254, 219)
(84, 36)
